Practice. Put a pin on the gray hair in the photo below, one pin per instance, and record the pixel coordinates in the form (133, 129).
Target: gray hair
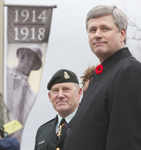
(119, 17)
(77, 86)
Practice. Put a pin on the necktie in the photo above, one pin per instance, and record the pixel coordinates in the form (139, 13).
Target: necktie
(63, 123)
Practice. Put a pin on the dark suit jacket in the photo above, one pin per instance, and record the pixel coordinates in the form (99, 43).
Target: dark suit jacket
(110, 115)
(46, 136)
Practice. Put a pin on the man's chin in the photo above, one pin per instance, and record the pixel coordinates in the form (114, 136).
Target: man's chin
(99, 48)
(62, 108)
(99, 51)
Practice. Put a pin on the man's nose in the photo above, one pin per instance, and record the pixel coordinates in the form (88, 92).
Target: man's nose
(98, 33)
(60, 93)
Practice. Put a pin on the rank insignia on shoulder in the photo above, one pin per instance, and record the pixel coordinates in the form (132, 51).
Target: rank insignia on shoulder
(66, 76)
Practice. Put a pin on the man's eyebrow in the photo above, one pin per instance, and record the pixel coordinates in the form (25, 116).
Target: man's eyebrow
(54, 88)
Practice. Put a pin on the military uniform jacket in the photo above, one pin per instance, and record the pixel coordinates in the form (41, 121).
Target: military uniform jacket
(46, 138)
(110, 115)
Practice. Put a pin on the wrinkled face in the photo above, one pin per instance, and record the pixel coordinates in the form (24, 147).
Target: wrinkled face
(65, 97)
(104, 37)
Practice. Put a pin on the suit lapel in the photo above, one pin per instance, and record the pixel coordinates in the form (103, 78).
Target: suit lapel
(52, 132)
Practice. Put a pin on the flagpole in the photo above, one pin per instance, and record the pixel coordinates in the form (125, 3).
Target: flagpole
(1, 47)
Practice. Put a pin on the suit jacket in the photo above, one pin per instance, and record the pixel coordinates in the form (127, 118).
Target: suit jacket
(110, 115)
(46, 138)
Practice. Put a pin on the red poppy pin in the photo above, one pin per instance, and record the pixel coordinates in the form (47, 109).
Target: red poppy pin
(99, 69)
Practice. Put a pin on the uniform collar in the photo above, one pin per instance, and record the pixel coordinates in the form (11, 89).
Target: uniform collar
(68, 119)
(110, 61)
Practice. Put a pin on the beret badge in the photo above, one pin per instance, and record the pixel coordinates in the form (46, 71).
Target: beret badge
(66, 76)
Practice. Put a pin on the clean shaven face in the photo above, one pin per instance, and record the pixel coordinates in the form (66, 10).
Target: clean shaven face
(104, 37)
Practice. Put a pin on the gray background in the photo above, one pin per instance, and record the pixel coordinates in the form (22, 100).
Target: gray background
(68, 48)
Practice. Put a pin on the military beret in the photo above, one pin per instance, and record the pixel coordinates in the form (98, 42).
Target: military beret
(62, 76)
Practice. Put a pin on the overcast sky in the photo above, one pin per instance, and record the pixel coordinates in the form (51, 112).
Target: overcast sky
(68, 48)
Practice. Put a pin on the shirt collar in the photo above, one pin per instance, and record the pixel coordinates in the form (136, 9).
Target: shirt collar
(68, 118)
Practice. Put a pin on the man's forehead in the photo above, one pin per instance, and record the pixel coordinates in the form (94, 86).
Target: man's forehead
(59, 85)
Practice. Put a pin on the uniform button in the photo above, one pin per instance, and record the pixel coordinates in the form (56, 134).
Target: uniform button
(57, 148)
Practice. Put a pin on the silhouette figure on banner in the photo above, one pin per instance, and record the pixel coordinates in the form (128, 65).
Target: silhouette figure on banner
(20, 97)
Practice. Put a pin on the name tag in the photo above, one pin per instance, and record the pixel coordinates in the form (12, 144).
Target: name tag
(41, 142)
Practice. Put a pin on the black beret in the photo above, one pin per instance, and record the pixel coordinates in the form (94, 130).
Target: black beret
(62, 76)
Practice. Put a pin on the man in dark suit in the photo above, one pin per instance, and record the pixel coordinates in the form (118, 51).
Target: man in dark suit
(64, 95)
(110, 114)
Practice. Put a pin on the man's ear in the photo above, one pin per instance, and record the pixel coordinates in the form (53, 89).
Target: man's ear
(79, 93)
(49, 95)
(122, 35)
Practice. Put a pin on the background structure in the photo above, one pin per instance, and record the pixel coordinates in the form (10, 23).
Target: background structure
(68, 48)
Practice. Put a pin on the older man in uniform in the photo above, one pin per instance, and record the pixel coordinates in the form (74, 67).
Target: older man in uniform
(110, 116)
(20, 97)
(64, 95)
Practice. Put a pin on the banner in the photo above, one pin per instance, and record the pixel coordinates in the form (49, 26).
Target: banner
(28, 34)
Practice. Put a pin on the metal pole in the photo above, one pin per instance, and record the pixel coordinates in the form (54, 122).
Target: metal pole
(1, 47)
